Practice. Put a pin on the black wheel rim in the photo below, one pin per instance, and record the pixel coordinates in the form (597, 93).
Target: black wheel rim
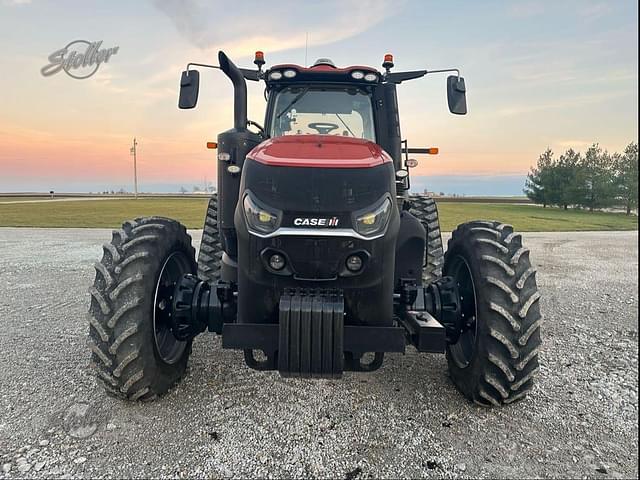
(464, 349)
(167, 346)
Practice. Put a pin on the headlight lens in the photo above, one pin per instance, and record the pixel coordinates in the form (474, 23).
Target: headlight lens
(260, 219)
(375, 221)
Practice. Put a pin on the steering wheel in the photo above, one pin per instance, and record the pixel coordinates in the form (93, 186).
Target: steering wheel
(323, 128)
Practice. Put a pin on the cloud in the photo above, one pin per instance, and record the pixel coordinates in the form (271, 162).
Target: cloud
(566, 103)
(594, 10)
(525, 9)
(280, 26)
(11, 3)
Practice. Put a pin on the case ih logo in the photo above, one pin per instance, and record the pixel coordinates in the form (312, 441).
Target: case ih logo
(316, 222)
(79, 59)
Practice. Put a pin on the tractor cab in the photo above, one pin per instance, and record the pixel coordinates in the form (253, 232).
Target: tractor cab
(356, 101)
(322, 100)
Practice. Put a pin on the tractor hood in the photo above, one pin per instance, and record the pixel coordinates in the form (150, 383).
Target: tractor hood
(319, 151)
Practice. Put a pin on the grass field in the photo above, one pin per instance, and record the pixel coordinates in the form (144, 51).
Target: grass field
(21, 198)
(190, 211)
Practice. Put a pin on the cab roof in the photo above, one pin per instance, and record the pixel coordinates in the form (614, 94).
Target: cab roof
(323, 70)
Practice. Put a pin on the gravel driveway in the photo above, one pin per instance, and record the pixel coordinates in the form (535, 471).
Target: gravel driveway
(405, 420)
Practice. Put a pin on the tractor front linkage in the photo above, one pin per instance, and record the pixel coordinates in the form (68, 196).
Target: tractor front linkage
(311, 337)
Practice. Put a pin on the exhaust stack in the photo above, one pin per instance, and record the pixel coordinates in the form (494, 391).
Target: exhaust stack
(239, 90)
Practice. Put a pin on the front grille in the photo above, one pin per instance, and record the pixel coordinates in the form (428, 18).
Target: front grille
(316, 258)
(318, 191)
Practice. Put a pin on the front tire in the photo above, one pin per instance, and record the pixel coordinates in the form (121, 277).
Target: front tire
(134, 353)
(424, 208)
(210, 253)
(496, 357)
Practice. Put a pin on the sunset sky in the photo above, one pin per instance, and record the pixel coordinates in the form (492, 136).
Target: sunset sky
(539, 74)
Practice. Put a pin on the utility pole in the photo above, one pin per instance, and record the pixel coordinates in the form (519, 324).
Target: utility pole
(135, 168)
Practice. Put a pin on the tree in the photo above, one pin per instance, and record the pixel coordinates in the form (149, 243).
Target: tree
(596, 184)
(538, 180)
(626, 176)
(568, 175)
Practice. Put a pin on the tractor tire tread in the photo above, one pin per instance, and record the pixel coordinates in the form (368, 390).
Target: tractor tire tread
(119, 339)
(424, 208)
(210, 253)
(506, 358)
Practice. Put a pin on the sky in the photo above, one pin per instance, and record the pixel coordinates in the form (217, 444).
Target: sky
(539, 74)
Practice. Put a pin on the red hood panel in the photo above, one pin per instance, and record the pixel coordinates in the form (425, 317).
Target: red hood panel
(322, 151)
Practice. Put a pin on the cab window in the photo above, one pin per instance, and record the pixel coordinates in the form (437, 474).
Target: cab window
(308, 110)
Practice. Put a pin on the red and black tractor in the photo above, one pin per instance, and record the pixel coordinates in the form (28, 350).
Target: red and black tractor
(315, 259)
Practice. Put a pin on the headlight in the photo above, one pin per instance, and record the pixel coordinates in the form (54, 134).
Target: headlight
(260, 219)
(375, 221)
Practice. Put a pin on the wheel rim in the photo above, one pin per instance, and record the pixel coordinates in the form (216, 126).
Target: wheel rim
(168, 347)
(464, 349)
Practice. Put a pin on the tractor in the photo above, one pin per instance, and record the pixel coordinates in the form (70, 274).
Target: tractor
(315, 257)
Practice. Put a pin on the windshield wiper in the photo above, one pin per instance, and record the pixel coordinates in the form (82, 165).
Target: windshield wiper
(293, 102)
(350, 131)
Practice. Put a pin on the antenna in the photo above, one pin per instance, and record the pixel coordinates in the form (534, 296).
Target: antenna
(306, 49)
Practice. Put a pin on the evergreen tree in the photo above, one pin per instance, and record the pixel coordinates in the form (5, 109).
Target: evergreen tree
(626, 176)
(594, 180)
(596, 183)
(538, 179)
(568, 171)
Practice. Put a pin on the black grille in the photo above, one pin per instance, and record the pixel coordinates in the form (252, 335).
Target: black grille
(317, 258)
(318, 191)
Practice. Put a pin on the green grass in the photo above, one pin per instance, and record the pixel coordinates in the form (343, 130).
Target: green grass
(530, 218)
(22, 198)
(190, 211)
(101, 213)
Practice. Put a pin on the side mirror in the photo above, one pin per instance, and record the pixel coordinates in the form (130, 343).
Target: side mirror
(456, 95)
(189, 86)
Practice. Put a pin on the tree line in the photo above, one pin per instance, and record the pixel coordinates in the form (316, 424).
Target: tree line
(595, 179)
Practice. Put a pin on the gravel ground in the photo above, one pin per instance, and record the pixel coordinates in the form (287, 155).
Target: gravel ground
(405, 420)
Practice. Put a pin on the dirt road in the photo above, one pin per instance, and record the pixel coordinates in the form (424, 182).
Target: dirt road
(406, 420)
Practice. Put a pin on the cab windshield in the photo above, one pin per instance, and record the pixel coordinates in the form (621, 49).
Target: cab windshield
(305, 110)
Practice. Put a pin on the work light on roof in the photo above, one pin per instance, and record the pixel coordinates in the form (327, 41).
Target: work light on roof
(289, 73)
(275, 75)
(357, 75)
(371, 77)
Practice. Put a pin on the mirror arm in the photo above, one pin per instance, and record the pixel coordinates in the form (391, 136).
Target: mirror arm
(189, 65)
(254, 75)
(399, 77)
(445, 71)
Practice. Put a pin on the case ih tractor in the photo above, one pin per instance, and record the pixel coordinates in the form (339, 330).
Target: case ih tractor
(315, 259)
